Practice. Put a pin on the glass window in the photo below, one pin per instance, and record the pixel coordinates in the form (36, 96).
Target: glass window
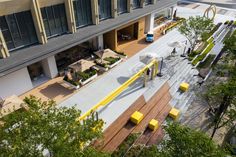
(18, 30)
(54, 18)
(83, 14)
(122, 6)
(104, 9)
(148, 2)
(136, 4)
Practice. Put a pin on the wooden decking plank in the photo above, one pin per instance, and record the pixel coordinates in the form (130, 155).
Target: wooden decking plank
(119, 123)
(161, 116)
(157, 136)
(153, 112)
(124, 132)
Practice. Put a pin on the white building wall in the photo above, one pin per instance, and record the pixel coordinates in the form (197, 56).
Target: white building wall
(50, 67)
(15, 83)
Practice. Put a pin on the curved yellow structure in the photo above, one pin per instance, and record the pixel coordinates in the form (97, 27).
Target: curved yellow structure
(119, 90)
(211, 8)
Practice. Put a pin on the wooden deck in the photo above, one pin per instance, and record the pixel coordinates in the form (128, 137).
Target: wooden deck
(156, 108)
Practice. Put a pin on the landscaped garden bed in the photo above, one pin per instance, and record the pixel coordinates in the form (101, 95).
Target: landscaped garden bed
(121, 54)
(202, 56)
(111, 61)
(173, 25)
(81, 78)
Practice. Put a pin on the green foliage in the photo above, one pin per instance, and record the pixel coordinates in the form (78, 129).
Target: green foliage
(75, 83)
(112, 60)
(194, 28)
(104, 65)
(184, 142)
(206, 35)
(207, 62)
(203, 55)
(47, 127)
(86, 74)
(123, 148)
(230, 43)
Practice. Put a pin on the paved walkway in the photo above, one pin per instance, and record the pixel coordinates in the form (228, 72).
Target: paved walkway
(97, 90)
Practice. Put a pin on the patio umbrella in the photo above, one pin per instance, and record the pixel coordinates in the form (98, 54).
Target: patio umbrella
(176, 44)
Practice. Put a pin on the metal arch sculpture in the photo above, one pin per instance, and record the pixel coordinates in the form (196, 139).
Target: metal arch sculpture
(211, 8)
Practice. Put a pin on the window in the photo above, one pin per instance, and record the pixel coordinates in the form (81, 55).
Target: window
(83, 15)
(148, 2)
(18, 30)
(54, 18)
(136, 4)
(121, 6)
(104, 9)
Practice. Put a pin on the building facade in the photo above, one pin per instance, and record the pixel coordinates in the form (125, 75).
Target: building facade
(39, 38)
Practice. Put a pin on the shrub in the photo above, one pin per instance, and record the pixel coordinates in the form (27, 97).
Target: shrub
(112, 60)
(104, 65)
(87, 74)
(75, 83)
(207, 62)
(203, 55)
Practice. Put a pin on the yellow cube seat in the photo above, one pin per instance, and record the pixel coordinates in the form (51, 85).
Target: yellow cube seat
(184, 87)
(174, 113)
(153, 125)
(136, 117)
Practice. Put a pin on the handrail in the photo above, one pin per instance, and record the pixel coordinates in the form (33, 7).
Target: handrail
(120, 89)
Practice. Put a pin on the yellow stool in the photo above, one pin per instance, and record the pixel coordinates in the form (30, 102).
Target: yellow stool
(174, 113)
(184, 87)
(153, 125)
(136, 117)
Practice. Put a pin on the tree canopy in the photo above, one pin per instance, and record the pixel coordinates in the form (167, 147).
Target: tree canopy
(194, 28)
(49, 129)
(184, 142)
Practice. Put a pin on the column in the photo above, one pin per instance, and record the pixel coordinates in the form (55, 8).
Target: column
(129, 5)
(50, 67)
(100, 42)
(4, 53)
(38, 22)
(70, 16)
(149, 22)
(95, 11)
(114, 8)
(142, 3)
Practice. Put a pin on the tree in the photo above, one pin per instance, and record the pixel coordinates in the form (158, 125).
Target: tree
(184, 142)
(221, 98)
(47, 128)
(230, 44)
(194, 28)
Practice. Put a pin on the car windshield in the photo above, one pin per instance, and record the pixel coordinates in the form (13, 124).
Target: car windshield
(149, 35)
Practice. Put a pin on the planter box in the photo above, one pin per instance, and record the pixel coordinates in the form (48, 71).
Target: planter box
(102, 68)
(71, 85)
(111, 66)
(88, 80)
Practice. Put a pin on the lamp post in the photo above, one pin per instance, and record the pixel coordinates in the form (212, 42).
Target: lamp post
(160, 74)
(185, 45)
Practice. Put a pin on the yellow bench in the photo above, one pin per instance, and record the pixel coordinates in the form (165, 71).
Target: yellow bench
(174, 113)
(153, 125)
(136, 117)
(184, 87)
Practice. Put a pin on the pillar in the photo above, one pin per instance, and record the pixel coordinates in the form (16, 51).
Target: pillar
(142, 3)
(50, 67)
(95, 11)
(114, 8)
(38, 22)
(4, 53)
(70, 16)
(100, 42)
(129, 5)
(149, 22)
